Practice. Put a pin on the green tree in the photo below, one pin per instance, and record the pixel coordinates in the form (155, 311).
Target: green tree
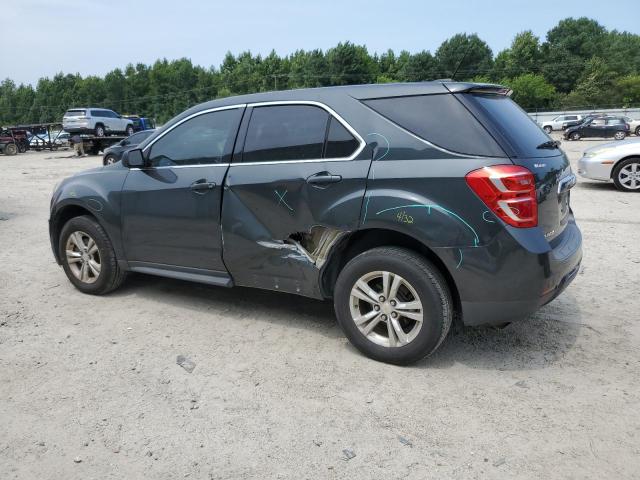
(523, 56)
(350, 64)
(531, 91)
(467, 53)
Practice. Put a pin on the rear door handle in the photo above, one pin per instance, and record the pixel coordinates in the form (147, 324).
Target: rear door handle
(201, 186)
(323, 178)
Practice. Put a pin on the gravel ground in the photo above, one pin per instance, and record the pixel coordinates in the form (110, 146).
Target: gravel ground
(90, 388)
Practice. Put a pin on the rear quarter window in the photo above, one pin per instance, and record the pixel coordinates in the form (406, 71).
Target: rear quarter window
(441, 120)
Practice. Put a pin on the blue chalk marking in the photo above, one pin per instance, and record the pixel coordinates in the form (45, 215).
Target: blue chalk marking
(488, 220)
(387, 142)
(460, 262)
(476, 239)
(281, 199)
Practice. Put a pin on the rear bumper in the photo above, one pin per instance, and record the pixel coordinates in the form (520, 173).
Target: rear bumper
(509, 279)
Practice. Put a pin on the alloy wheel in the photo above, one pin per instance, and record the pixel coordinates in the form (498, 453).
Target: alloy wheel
(629, 176)
(386, 309)
(83, 257)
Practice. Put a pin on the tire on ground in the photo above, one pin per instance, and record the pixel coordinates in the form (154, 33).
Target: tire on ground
(111, 276)
(432, 290)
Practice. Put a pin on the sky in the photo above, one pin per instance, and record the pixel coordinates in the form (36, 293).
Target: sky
(40, 38)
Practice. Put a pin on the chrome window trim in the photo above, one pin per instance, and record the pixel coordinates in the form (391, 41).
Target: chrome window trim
(327, 109)
(193, 115)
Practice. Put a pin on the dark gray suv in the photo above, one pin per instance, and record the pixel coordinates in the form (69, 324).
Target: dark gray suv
(410, 205)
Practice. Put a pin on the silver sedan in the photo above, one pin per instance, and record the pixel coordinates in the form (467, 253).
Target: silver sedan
(619, 162)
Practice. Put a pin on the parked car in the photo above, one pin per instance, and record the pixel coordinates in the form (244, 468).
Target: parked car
(58, 139)
(8, 143)
(96, 121)
(573, 123)
(634, 124)
(20, 137)
(619, 162)
(606, 127)
(410, 205)
(560, 122)
(114, 153)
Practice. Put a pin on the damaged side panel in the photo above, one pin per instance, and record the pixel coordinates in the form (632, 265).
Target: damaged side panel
(279, 230)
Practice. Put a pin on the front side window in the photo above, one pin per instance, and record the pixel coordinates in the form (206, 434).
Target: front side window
(285, 132)
(205, 139)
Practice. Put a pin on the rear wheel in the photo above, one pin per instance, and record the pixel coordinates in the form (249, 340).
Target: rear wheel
(547, 129)
(88, 257)
(626, 175)
(638, 131)
(393, 305)
(575, 136)
(620, 135)
(99, 130)
(11, 149)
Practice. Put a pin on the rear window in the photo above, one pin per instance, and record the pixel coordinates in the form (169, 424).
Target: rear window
(75, 113)
(520, 135)
(441, 120)
(340, 143)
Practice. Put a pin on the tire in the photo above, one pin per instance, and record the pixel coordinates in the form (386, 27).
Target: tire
(99, 131)
(422, 282)
(109, 159)
(22, 148)
(620, 135)
(11, 149)
(129, 131)
(574, 136)
(638, 132)
(109, 276)
(625, 178)
(547, 129)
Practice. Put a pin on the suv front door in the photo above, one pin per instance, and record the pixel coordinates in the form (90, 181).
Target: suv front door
(295, 186)
(171, 208)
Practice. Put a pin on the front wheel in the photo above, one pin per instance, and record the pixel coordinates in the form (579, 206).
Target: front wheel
(109, 159)
(620, 136)
(575, 136)
(626, 175)
(393, 305)
(99, 131)
(638, 131)
(548, 129)
(11, 149)
(88, 257)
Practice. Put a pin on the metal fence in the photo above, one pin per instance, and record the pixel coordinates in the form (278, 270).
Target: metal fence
(540, 117)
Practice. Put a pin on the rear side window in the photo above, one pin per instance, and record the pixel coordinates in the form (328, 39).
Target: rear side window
(205, 139)
(75, 113)
(510, 124)
(441, 120)
(340, 143)
(285, 132)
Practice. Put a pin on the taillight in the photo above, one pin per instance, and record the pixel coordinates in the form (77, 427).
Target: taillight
(509, 191)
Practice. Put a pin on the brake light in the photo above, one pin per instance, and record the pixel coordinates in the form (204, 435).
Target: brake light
(509, 191)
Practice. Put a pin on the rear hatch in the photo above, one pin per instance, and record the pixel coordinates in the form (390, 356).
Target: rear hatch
(73, 116)
(528, 146)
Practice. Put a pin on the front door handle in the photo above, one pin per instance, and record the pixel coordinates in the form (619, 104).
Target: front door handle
(202, 186)
(323, 178)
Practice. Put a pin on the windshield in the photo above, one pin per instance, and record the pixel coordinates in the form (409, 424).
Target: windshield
(510, 123)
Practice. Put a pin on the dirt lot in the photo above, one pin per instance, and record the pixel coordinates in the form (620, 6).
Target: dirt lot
(90, 388)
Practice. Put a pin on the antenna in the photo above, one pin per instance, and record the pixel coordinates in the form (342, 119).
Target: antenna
(453, 77)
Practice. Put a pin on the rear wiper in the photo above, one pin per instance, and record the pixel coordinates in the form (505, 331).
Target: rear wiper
(551, 144)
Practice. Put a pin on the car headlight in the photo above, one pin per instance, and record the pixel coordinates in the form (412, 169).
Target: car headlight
(589, 154)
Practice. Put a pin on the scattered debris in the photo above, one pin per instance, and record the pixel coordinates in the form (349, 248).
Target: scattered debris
(405, 441)
(348, 454)
(77, 460)
(521, 384)
(500, 461)
(317, 443)
(186, 363)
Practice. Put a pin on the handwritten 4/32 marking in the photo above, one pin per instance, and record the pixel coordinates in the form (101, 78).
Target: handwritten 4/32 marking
(404, 218)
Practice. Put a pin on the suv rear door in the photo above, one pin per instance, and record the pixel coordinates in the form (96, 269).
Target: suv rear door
(528, 146)
(296, 183)
(171, 208)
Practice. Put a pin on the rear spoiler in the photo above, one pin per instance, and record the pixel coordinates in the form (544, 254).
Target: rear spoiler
(487, 88)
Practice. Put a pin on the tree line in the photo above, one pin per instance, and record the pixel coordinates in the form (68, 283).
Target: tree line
(580, 64)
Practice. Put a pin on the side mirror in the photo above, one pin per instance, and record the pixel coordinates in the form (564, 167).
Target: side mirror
(133, 159)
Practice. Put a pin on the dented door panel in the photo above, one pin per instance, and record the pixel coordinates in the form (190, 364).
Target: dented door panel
(279, 229)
